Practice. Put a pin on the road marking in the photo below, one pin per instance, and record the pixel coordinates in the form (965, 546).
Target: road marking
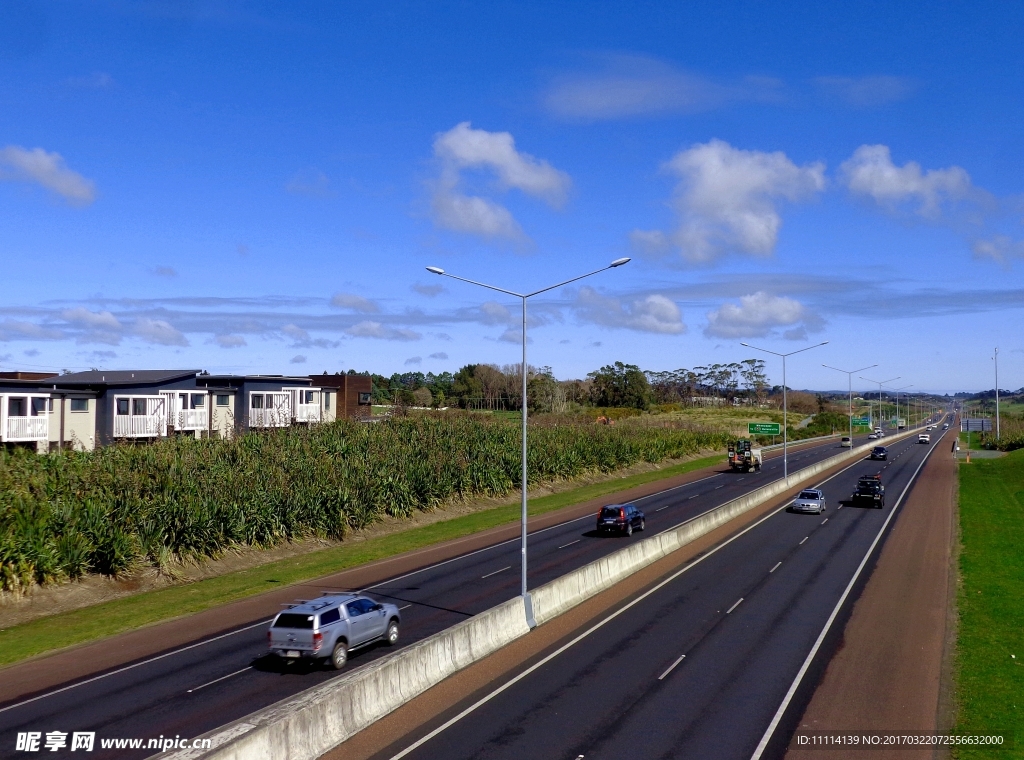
(665, 507)
(217, 680)
(824, 521)
(135, 665)
(536, 666)
(737, 604)
(805, 538)
(694, 496)
(717, 487)
(570, 543)
(776, 566)
(405, 607)
(839, 507)
(831, 619)
(671, 667)
(496, 572)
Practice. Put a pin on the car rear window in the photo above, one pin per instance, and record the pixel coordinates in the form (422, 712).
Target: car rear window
(294, 620)
(331, 616)
(610, 512)
(808, 495)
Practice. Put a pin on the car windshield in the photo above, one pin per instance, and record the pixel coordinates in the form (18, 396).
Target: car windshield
(294, 620)
(868, 484)
(610, 512)
(808, 495)
(879, 449)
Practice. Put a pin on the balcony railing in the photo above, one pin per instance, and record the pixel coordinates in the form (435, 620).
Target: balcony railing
(138, 425)
(307, 413)
(27, 429)
(264, 418)
(191, 419)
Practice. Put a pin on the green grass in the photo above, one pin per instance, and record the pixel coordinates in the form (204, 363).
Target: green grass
(91, 623)
(990, 681)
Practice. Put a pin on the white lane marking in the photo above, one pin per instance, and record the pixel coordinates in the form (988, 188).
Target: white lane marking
(694, 496)
(661, 508)
(570, 543)
(776, 566)
(824, 521)
(512, 682)
(135, 665)
(683, 485)
(671, 667)
(805, 538)
(496, 572)
(217, 680)
(737, 604)
(717, 487)
(831, 619)
(839, 507)
(405, 607)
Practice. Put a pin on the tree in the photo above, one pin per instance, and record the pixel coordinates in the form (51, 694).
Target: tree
(620, 385)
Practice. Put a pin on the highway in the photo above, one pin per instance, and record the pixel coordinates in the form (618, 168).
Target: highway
(704, 663)
(194, 689)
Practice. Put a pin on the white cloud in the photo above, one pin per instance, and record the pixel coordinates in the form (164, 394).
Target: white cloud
(160, 332)
(629, 86)
(464, 148)
(230, 341)
(870, 172)
(413, 360)
(165, 272)
(99, 320)
(368, 329)
(439, 355)
(302, 339)
(47, 170)
(354, 302)
(1000, 249)
(652, 313)
(868, 91)
(15, 329)
(428, 290)
(493, 313)
(297, 359)
(311, 183)
(759, 315)
(727, 200)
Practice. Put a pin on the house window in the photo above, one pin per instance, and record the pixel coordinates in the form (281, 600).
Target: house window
(16, 407)
(139, 406)
(223, 399)
(310, 397)
(82, 405)
(364, 398)
(39, 406)
(198, 400)
(122, 407)
(256, 400)
(327, 399)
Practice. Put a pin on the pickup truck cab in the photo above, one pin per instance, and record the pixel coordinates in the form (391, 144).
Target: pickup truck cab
(330, 626)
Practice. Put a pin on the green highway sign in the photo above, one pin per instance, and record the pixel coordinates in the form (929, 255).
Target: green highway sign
(764, 428)
(861, 420)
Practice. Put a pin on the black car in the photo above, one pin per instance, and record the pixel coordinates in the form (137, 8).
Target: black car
(879, 452)
(870, 488)
(620, 518)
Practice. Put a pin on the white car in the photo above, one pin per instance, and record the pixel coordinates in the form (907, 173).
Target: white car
(873, 437)
(846, 442)
(809, 500)
(924, 438)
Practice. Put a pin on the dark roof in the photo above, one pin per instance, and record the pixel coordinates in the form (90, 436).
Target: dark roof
(210, 379)
(125, 377)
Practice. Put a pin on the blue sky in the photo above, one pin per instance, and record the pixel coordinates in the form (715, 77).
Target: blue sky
(257, 187)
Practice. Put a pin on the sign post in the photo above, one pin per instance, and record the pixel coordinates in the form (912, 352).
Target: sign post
(764, 428)
(862, 421)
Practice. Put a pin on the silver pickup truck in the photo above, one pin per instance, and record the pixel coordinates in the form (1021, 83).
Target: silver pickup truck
(331, 626)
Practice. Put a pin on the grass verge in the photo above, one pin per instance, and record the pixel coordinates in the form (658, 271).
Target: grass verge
(990, 641)
(108, 618)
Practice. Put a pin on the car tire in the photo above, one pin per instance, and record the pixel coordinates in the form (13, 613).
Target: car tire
(391, 636)
(339, 657)
(643, 525)
(629, 529)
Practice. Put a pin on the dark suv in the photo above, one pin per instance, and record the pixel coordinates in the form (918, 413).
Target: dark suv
(870, 488)
(879, 452)
(620, 518)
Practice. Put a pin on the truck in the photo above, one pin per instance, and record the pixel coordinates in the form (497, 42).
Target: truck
(744, 457)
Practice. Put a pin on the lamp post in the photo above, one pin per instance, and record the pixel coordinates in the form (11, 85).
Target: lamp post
(898, 403)
(880, 384)
(995, 358)
(785, 406)
(527, 601)
(849, 379)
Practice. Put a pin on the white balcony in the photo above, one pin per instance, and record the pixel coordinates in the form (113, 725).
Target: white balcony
(191, 419)
(140, 416)
(27, 429)
(24, 418)
(269, 418)
(307, 413)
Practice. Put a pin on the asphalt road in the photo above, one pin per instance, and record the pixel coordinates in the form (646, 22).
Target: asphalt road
(699, 665)
(194, 689)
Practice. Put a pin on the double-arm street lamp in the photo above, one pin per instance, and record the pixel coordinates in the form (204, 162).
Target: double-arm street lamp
(527, 602)
(785, 408)
(902, 388)
(880, 384)
(849, 380)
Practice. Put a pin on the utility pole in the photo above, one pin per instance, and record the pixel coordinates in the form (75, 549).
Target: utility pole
(996, 360)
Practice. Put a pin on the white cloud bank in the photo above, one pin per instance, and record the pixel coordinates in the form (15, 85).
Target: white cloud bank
(354, 302)
(368, 329)
(1000, 249)
(727, 200)
(48, 170)
(759, 315)
(871, 173)
(462, 148)
(652, 313)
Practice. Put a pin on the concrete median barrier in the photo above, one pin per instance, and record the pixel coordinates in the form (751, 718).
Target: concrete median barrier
(310, 723)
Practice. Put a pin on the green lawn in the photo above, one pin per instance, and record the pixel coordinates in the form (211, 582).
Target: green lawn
(109, 618)
(990, 642)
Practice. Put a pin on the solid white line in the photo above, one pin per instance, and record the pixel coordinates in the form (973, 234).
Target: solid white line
(496, 572)
(776, 566)
(216, 680)
(570, 543)
(805, 538)
(831, 618)
(672, 667)
(135, 665)
(737, 604)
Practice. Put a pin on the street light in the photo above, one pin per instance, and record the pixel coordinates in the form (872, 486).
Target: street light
(898, 404)
(995, 358)
(527, 601)
(785, 407)
(849, 379)
(880, 384)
